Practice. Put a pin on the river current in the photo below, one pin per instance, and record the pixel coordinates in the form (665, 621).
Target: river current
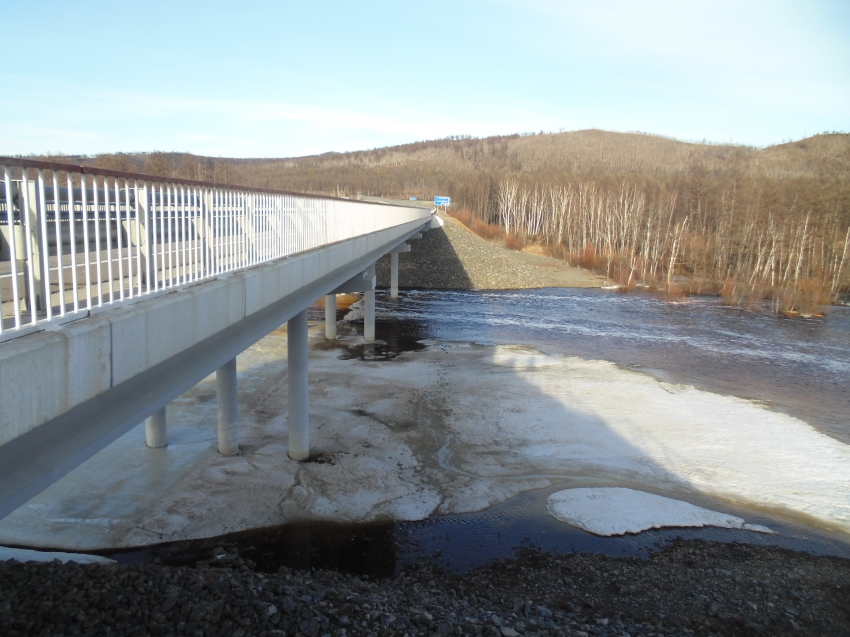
(800, 366)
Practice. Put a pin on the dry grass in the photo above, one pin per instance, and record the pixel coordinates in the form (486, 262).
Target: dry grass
(514, 242)
(489, 231)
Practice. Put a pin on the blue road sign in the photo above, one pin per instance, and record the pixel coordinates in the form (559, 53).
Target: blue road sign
(442, 201)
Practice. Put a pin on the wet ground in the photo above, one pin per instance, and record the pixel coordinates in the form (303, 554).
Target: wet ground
(458, 542)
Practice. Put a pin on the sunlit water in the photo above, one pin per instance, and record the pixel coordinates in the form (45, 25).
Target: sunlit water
(799, 366)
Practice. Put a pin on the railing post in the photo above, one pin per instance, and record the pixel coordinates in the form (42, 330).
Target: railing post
(146, 234)
(330, 316)
(156, 434)
(369, 307)
(299, 411)
(227, 397)
(34, 266)
(203, 228)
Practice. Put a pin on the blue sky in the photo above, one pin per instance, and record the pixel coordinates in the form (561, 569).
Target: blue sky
(282, 79)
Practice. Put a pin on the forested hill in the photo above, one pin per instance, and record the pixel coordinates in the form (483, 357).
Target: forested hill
(446, 166)
(749, 223)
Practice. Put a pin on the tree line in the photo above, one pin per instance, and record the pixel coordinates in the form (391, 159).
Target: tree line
(754, 225)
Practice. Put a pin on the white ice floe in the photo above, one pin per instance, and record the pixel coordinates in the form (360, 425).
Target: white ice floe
(28, 555)
(615, 511)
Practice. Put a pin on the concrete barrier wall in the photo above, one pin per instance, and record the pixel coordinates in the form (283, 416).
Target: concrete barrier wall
(46, 374)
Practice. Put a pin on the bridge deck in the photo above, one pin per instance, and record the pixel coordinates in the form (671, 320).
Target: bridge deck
(72, 384)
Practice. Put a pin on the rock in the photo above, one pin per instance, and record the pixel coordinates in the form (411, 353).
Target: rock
(158, 599)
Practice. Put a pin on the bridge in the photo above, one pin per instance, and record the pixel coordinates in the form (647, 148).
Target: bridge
(121, 291)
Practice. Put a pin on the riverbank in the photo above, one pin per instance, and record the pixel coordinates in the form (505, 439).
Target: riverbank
(453, 257)
(690, 588)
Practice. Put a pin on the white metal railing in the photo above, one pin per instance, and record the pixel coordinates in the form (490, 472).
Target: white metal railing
(76, 238)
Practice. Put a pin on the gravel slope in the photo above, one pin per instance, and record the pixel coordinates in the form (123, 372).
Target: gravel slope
(690, 588)
(453, 257)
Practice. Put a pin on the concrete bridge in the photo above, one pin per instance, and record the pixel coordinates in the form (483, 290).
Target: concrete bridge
(121, 291)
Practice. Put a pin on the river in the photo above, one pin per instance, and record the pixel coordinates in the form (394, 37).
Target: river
(797, 366)
(800, 366)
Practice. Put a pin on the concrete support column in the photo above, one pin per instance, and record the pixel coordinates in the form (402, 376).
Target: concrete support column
(330, 316)
(299, 424)
(227, 397)
(394, 275)
(155, 430)
(369, 309)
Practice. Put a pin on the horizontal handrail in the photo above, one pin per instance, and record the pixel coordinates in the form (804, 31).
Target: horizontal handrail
(76, 238)
(20, 162)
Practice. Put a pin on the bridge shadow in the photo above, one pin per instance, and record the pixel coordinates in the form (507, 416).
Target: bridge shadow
(432, 263)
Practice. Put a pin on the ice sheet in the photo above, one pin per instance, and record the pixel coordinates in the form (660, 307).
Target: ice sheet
(616, 511)
(28, 555)
(453, 428)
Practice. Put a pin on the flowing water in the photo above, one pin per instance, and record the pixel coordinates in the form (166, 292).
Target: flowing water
(798, 366)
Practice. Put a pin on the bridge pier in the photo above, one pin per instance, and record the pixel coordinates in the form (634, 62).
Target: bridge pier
(299, 412)
(369, 307)
(394, 275)
(404, 247)
(330, 316)
(156, 435)
(227, 398)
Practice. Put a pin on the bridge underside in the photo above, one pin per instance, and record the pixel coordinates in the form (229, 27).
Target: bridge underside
(98, 377)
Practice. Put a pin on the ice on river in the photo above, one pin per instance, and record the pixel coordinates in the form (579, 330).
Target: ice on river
(456, 427)
(616, 511)
(28, 555)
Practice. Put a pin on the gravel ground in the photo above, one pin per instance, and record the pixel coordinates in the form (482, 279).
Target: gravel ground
(690, 588)
(453, 257)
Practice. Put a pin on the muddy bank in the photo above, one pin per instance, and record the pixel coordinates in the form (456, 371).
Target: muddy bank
(452, 257)
(690, 588)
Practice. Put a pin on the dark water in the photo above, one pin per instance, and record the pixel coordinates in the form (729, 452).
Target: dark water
(799, 366)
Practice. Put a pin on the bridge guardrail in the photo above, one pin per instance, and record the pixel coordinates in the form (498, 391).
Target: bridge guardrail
(75, 238)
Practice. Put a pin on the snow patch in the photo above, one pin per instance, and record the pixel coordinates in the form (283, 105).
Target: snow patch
(616, 511)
